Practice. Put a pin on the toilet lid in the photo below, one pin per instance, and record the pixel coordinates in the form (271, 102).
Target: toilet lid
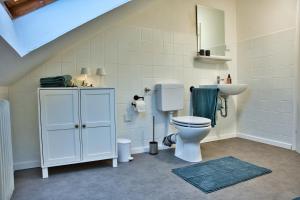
(191, 120)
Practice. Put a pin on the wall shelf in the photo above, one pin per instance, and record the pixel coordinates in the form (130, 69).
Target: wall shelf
(213, 59)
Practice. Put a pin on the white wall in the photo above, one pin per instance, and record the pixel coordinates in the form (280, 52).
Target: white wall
(261, 17)
(3, 92)
(153, 41)
(267, 62)
(298, 82)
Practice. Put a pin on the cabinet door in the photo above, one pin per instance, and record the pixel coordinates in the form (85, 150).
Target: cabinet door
(60, 126)
(98, 124)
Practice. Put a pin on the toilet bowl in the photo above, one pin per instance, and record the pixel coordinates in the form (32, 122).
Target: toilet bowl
(191, 131)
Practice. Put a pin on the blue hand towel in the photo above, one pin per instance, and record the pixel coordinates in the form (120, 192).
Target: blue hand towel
(204, 101)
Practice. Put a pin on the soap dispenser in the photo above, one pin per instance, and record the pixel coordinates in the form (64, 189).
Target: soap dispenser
(228, 80)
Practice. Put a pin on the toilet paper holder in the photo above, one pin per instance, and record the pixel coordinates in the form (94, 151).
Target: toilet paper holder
(136, 97)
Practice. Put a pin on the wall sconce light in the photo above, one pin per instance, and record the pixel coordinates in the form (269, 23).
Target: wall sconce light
(101, 72)
(85, 71)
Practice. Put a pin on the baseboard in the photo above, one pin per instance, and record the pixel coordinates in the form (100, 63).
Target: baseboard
(137, 150)
(220, 137)
(265, 141)
(35, 164)
(26, 165)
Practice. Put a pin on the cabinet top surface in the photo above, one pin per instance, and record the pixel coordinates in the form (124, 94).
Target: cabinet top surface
(75, 88)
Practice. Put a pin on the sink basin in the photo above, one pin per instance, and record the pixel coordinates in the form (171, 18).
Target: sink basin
(232, 89)
(228, 89)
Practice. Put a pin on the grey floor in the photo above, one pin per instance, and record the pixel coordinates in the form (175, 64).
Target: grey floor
(150, 177)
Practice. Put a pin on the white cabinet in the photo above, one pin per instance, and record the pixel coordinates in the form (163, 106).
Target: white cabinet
(76, 125)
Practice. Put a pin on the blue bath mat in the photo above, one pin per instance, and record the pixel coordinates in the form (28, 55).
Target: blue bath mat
(216, 174)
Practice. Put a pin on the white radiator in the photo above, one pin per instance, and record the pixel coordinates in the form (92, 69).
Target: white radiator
(6, 159)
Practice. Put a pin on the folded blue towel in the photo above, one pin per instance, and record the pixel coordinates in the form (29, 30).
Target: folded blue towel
(58, 81)
(205, 101)
(63, 78)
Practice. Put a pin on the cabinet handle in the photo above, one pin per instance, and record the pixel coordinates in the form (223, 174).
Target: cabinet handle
(83, 126)
(76, 126)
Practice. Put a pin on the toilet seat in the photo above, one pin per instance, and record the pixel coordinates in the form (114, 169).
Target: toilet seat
(191, 121)
(191, 126)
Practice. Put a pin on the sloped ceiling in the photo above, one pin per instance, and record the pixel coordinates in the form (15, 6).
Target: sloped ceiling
(31, 31)
(29, 40)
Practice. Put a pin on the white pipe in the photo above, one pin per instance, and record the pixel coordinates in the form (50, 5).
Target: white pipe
(170, 126)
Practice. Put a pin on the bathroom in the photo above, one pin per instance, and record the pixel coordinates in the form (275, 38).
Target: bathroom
(143, 43)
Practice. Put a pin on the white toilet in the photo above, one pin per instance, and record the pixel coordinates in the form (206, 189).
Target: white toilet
(191, 130)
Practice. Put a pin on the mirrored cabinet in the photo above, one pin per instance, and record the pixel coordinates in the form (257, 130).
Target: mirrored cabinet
(211, 34)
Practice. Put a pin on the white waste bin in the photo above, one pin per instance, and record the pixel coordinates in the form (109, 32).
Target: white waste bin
(124, 154)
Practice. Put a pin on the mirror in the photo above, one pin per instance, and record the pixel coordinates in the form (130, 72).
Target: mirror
(211, 30)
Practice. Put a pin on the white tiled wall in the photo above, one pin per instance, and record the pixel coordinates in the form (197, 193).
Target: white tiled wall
(134, 58)
(267, 64)
(3, 92)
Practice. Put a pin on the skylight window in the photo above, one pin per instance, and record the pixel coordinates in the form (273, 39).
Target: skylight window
(17, 8)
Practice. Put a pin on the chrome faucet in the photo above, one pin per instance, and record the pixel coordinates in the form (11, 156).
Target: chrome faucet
(219, 79)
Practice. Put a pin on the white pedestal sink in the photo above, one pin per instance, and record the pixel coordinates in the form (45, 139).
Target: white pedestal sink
(228, 89)
(231, 89)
